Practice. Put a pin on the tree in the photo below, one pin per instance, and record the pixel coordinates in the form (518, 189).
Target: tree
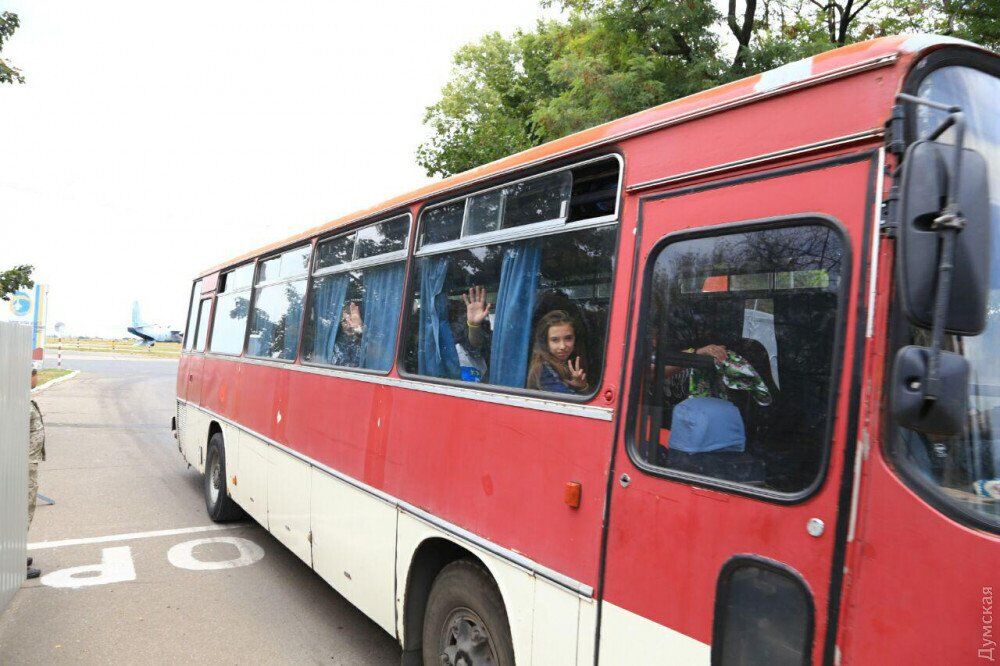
(8, 24)
(485, 110)
(16, 278)
(610, 58)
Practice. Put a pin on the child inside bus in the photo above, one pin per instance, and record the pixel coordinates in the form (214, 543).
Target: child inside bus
(555, 366)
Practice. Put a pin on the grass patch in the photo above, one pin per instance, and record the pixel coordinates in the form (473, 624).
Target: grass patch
(119, 346)
(47, 375)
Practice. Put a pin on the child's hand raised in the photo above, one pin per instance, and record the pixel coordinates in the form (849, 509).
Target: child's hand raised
(578, 377)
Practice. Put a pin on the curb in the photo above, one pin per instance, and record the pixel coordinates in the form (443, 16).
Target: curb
(54, 381)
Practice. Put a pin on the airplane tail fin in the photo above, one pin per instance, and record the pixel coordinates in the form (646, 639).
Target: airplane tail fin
(136, 317)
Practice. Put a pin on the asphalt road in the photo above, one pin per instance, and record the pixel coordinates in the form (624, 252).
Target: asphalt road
(114, 471)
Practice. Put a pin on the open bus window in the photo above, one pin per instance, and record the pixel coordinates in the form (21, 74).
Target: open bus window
(521, 281)
(739, 357)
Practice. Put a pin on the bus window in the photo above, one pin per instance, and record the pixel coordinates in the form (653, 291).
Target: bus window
(229, 323)
(516, 283)
(203, 309)
(354, 311)
(277, 308)
(739, 358)
(585, 192)
(192, 316)
(442, 224)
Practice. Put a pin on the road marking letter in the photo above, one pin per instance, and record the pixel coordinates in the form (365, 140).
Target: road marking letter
(182, 555)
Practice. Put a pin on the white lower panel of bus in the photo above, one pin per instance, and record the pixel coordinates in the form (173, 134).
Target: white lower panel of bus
(627, 638)
(289, 502)
(250, 470)
(354, 546)
(193, 435)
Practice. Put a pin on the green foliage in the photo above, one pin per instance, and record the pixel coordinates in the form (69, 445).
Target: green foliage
(975, 20)
(15, 278)
(610, 58)
(8, 24)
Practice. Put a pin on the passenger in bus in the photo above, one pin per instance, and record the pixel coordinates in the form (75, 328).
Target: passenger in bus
(555, 366)
(347, 348)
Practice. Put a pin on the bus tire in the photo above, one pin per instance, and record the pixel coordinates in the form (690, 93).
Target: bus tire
(465, 621)
(221, 507)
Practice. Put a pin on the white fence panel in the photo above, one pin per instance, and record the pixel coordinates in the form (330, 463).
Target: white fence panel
(15, 392)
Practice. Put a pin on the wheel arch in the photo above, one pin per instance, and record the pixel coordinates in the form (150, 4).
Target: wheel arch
(431, 556)
(214, 427)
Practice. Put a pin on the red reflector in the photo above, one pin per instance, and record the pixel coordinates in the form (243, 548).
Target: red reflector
(571, 494)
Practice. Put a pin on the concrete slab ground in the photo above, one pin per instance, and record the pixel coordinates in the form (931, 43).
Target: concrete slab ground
(113, 469)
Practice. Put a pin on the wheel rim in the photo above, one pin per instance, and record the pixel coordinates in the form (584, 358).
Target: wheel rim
(214, 479)
(466, 641)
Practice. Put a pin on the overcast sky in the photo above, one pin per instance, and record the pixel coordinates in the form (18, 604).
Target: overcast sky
(153, 140)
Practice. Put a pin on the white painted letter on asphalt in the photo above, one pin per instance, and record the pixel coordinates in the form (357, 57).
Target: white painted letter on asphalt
(182, 555)
(116, 567)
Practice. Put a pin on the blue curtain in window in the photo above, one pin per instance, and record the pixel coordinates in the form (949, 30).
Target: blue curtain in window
(328, 306)
(515, 306)
(436, 355)
(380, 304)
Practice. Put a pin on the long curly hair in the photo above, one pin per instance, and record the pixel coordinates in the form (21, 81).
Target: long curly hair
(540, 354)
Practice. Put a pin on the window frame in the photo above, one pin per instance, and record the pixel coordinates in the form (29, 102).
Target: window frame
(898, 325)
(219, 294)
(256, 287)
(639, 352)
(533, 230)
(537, 230)
(356, 265)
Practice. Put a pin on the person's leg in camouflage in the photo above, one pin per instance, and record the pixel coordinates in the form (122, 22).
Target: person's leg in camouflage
(32, 491)
(32, 499)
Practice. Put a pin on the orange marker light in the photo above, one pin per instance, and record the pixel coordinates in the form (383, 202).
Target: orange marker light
(571, 494)
(234, 479)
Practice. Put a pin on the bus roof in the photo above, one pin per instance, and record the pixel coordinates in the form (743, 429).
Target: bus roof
(855, 57)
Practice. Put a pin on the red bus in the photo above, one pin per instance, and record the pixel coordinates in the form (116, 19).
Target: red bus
(687, 387)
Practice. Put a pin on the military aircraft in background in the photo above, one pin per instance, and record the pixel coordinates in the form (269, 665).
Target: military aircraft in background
(150, 334)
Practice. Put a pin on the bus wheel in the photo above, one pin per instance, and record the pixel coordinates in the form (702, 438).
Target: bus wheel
(465, 623)
(221, 507)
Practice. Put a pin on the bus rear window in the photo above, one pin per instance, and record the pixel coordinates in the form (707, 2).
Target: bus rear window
(739, 357)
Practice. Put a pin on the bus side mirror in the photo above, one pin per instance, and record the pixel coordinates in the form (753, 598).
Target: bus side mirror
(927, 169)
(947, 413)
(943, 271)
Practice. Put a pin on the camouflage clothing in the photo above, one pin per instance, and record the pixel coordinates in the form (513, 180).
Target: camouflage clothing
(735, 373)
(36, 454)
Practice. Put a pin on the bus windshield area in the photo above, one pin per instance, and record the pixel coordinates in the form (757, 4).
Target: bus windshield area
(739, 360)
(964, 471)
